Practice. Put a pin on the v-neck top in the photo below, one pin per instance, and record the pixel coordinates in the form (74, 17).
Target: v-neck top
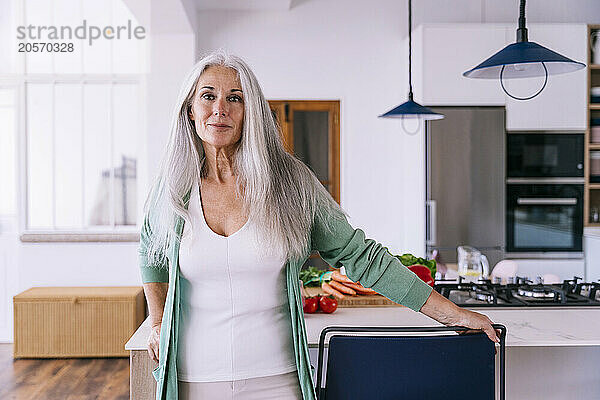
(235, 320)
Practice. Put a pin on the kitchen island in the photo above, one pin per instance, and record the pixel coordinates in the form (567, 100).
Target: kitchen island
(550, 353)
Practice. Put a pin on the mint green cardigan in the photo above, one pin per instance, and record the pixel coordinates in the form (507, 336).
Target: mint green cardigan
(365, 260)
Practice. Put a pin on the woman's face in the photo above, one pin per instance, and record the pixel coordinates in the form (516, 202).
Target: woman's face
(218, 107)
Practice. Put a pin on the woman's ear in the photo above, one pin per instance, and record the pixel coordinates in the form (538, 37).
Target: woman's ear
(190, 113)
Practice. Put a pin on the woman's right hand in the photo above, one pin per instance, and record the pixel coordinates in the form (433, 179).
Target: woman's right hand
(153, 342)
(340, 285)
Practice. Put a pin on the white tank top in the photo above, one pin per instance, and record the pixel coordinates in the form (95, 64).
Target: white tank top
(235, 320)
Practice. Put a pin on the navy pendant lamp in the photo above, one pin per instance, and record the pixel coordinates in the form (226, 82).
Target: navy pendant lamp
(411, 109)
(523, 59)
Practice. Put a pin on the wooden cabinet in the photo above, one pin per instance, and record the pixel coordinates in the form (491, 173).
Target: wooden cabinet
(562, 104)
(94, 321)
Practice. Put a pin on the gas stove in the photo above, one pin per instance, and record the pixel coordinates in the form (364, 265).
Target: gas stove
(519, 292)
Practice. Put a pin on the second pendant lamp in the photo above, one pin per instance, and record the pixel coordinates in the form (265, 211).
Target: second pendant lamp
(523, 59)
(410, 108)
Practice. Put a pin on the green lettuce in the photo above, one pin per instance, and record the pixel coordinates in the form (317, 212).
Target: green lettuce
(408, 260)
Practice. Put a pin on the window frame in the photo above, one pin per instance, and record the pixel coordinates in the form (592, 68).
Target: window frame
(112, 233)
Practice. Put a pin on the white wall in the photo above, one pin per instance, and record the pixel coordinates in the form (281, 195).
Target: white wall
(172, 55)
(351, 51)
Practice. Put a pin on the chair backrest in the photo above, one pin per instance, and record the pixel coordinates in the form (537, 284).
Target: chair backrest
(410, 367)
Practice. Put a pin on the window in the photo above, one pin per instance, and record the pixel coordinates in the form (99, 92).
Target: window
(82, 142)
(80, 119)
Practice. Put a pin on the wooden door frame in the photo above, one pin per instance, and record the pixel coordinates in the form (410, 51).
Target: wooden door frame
(285, 108)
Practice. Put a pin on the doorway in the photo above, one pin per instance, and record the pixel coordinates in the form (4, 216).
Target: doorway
(310, 130)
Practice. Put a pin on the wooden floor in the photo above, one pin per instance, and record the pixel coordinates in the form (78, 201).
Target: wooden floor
(62, 379)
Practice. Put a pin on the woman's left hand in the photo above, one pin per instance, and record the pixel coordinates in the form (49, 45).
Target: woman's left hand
(446, 312)
(477, 321)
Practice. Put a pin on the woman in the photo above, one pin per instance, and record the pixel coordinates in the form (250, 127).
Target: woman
(229, 222)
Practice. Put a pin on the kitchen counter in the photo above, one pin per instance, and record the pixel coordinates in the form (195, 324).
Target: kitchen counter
(550, 354)
(531, 327)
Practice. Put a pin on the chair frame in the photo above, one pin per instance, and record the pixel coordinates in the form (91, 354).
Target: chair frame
(402, 329)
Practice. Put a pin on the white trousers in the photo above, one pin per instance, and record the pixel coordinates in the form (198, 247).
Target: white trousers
(276, 387)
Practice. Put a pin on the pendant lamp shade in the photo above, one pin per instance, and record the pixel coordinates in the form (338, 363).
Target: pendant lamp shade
(411, 109)
(523, 60)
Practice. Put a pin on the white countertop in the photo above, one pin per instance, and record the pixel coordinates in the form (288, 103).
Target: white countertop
(531, 327)
(591, 231)
(139, 339)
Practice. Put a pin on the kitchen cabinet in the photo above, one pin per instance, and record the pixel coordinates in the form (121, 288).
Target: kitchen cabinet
(445, 51)
(562, 104)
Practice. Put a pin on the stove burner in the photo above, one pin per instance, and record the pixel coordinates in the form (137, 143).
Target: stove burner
(536, 292)
(481, 296)
(590, 290)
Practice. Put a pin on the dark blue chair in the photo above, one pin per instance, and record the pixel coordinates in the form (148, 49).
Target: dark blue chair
(445, 366)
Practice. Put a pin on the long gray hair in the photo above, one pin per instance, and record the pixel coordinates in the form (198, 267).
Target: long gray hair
(282, 196)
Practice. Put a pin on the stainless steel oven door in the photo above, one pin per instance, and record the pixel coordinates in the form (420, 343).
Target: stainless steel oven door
(544, 219)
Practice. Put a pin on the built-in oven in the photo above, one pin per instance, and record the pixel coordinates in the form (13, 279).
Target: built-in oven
(544, 218)
(544, 155)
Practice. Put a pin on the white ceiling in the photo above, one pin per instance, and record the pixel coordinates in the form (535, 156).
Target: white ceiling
(202, 5)
(574, 11)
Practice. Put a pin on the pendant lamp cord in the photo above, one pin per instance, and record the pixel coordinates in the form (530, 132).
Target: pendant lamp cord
(410, 92)
(522, 30)
(522, 14)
